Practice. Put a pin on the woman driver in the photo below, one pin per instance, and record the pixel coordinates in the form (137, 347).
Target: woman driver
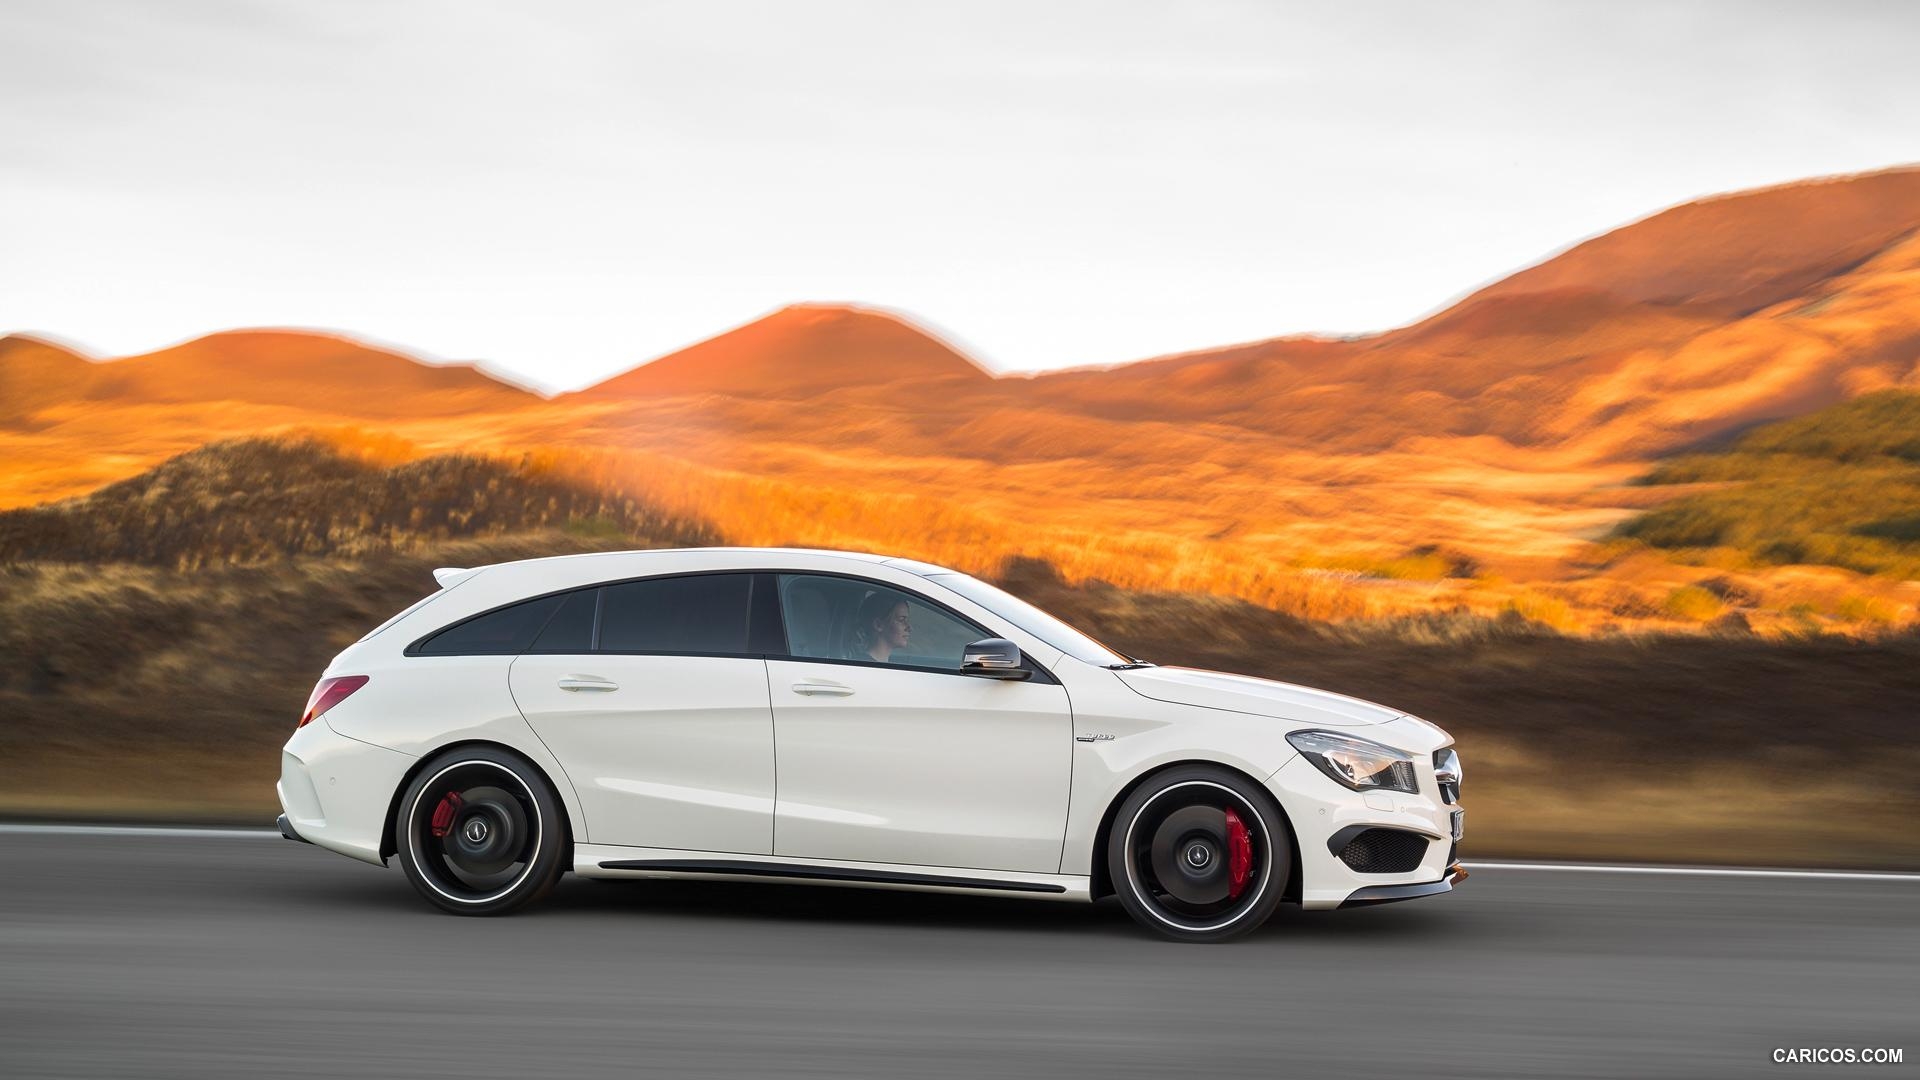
(883, 626)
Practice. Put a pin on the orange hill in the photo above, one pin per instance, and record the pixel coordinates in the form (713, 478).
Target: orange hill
(1738, 253)
(36, 374)
(1692, 323)
(799, 351)
(324, 373)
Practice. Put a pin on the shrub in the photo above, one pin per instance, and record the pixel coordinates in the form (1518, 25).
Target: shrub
(1839, 487)
(1855, 607)
(1537, 607)
(1692, 603)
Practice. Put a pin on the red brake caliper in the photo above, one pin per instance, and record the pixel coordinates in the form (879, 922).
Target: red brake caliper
(1239, 854)
(450, 805)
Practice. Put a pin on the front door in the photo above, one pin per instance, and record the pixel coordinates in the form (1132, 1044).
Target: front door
(888, 754)
(661, 723)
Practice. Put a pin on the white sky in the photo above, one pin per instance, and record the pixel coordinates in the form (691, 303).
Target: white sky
(562, 190)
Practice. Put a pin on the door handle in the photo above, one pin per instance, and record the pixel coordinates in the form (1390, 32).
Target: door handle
(590, 683)
(822, 689)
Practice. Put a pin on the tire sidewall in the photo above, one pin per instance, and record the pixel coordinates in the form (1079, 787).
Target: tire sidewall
(1272, 822)
(551, 844)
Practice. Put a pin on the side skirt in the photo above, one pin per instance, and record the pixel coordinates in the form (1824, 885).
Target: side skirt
(602, 861)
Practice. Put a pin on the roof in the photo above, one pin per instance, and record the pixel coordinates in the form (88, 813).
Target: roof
(446, 575)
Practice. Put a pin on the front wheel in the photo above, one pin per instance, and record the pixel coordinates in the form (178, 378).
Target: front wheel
(1199, 854)
(479, 832)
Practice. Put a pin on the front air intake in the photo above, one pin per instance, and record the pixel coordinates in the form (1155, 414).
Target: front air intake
(1384, 851)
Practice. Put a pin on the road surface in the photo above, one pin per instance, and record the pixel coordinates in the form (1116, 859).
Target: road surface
(216, 956)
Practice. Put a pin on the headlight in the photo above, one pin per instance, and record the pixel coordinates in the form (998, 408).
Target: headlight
(1357, 763)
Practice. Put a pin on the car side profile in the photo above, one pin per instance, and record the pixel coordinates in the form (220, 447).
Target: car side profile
(827, 717)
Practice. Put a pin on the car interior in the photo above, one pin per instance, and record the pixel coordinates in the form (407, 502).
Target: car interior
(822, 617)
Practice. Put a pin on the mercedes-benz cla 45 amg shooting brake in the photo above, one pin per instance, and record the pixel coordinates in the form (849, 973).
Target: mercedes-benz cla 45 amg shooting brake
(852, 719)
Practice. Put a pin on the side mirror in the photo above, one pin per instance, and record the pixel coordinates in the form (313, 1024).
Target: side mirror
(994, 658)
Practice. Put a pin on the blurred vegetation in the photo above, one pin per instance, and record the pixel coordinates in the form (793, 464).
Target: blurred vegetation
(155, 670)
(247, 500)
(1693, 603)
(1838, 487)
(1427, 562)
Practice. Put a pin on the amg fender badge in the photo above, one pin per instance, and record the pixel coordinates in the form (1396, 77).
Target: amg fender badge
(1099, 736)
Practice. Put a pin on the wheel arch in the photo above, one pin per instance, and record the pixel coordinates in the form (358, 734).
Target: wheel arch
(1101, 882)
(389, 841)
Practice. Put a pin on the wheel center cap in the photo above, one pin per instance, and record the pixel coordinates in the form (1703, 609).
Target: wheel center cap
(476, 830)
(1199, 855)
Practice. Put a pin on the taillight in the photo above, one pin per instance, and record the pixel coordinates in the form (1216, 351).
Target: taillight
(326, 694)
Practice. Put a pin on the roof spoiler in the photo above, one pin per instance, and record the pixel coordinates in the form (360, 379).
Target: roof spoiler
(449, 576)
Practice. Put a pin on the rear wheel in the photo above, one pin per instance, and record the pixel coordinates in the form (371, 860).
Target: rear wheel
(1199, 854)
(479, 832)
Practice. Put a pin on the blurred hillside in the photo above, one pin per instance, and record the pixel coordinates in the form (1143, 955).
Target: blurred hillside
(1840, 487)
(246, 500)
(1503, 433)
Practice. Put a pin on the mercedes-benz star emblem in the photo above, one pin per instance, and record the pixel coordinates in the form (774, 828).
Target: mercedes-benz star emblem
(476, 830)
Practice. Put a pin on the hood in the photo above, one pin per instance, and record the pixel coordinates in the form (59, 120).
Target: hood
(1263, 697)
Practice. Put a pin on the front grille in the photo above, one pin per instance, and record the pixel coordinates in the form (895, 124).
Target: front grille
(1446, 771)
(1384, 851)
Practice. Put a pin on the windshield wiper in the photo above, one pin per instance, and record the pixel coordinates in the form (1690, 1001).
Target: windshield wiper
(1129, 665)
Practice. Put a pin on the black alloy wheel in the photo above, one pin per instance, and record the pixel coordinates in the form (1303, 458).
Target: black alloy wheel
(479, 832)
(1199, 854)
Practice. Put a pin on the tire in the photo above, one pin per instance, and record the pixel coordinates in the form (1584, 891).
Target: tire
(1172, 857)
(480, 832)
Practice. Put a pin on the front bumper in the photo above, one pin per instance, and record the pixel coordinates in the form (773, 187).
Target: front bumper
(1388, 894)
(1326, 816)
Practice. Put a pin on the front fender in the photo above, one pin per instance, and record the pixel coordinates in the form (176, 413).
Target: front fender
(1121, 737)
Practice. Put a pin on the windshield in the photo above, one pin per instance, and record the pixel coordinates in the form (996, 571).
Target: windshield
(1030, 619)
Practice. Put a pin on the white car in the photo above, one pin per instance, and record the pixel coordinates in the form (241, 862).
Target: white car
(837, 718)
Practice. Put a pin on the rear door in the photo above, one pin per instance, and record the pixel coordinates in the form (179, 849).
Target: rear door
(904, 759)
(653, 698)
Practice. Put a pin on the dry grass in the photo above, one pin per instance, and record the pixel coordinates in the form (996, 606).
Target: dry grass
(1433, 526)
(1376, 539)
(1693, 604)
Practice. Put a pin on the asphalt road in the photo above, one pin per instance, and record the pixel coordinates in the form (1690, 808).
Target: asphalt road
(169, 956)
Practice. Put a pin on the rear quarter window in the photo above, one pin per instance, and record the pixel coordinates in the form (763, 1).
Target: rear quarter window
(506, 631)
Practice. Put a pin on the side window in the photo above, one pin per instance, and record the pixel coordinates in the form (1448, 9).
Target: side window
(570, 630)
(830, 618)
(706, 613)
(497, 633)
